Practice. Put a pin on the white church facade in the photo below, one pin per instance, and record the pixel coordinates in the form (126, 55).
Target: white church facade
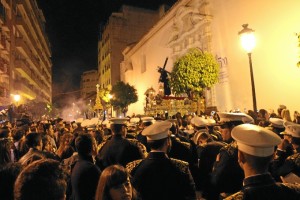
(213, 26)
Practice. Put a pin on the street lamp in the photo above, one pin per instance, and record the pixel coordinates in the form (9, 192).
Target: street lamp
(17, 98)
(247, 39)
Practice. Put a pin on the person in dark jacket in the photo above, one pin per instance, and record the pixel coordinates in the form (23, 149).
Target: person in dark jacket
(227, 176)
(118, 149)
(158, 176)
(255, 152)
(85, 174)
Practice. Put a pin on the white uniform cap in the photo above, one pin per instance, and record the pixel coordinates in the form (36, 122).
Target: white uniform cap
(118, 120)
(157, 131)
(79, 120)
(231, 117)
(255, 140)
(106, 123)
(147, 119)
(135, 120)
(94, 121)
(211, 122)
(276, 122)
(199, 121)
(85, 123)
(295, 130)
(287, 125)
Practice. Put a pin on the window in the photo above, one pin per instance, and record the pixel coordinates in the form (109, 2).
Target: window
(143, 64)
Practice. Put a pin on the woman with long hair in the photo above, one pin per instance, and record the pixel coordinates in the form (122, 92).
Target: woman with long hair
(114, 184)
(5, 147)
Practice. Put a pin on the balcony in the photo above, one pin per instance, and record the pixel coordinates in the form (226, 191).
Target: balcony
(22, 47)
(24, 90)
(22, 67)
(4, 85)
(4, 67)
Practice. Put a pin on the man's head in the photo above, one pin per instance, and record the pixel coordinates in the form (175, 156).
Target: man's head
(84, 144)
(34, 140)
(158, 136)
(256, 146)
(228, 121)
(294, 130)
(118, 126)
(42, 179)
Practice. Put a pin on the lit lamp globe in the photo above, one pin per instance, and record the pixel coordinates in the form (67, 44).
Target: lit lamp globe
(247, 38)
(17, 98)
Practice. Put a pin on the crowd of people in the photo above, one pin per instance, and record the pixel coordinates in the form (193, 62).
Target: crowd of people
(227, 155)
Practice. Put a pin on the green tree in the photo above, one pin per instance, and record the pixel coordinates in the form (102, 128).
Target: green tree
(123, 95)
(194, 72)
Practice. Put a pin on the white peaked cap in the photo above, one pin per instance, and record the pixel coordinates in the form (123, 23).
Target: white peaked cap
(295, 130)
(211, 122)
(94, 121)
(255, 140)
(79, 120)
(158, 130)
(147, 119)
(288, 128)
(85, 123)
(231, 117)
(199, 121)
(118, 120)
(276, 122)
(134, 120)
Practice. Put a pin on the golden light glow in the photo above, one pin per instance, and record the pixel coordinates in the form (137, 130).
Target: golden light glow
(248, 42)
(17, 97)
(247, 38)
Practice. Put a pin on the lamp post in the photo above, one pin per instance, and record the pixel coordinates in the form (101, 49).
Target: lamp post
(111, 107)
(247, 39)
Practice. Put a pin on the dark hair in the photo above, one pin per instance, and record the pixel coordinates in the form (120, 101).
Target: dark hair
(157, 144)
(116, 128)
(260, 164)
(111, 177)
(295, 141)
(33, 139)
(5, 146)
(42, 179)
(84, 144)
(4, 132)
(184, 123)
(147, 123)
(18, 134)
(8, 176)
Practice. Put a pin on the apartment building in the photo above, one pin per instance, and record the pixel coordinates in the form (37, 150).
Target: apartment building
(122, 29)
(25, 64)
(89, 80)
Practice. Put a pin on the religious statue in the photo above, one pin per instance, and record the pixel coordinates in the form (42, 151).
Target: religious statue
(164, 78)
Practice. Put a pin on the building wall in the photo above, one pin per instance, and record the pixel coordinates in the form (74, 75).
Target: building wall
(28, 51)
(213, 26)
(89, 80)
(122, 29)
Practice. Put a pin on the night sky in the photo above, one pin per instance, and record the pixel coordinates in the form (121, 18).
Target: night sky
(73, 27)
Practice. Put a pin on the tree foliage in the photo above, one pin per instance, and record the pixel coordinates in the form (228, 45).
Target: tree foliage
(194, 72)
(123, 95)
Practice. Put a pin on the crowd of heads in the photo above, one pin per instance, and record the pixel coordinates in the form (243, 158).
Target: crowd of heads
(32, 154)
